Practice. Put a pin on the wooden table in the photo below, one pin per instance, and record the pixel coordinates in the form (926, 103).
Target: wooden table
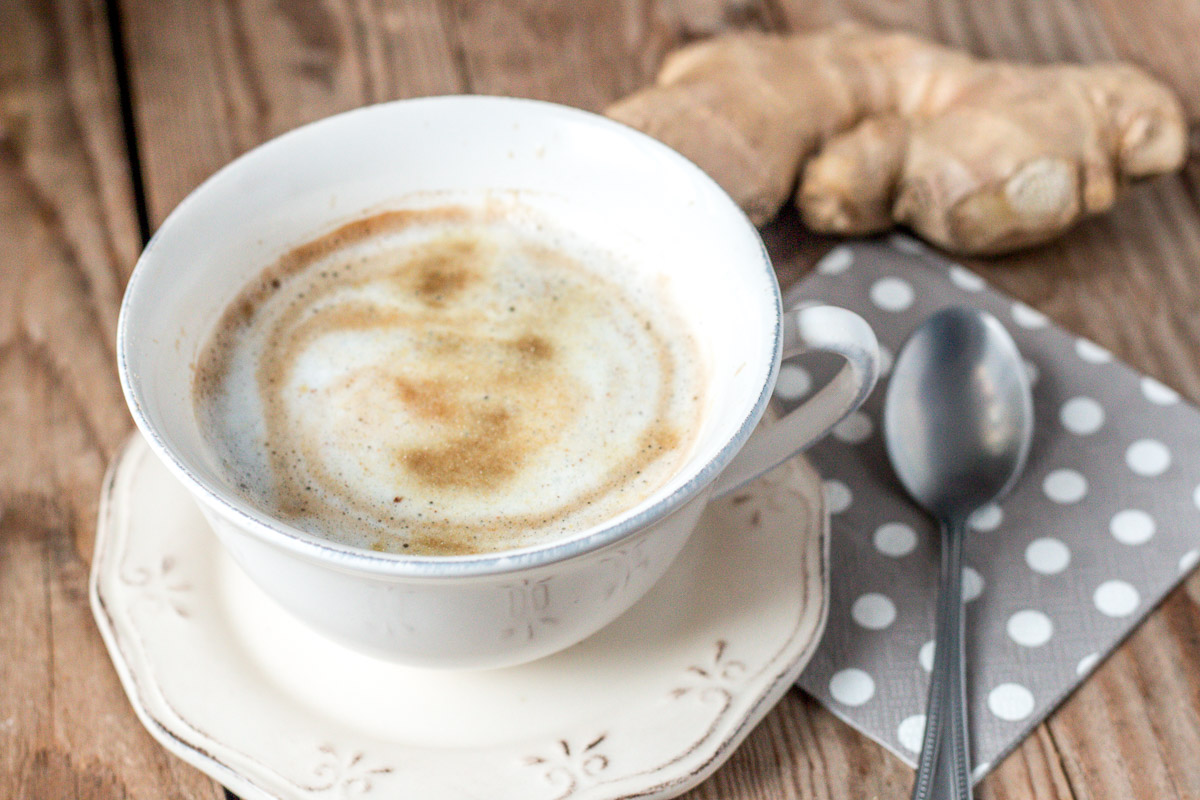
(110, 112)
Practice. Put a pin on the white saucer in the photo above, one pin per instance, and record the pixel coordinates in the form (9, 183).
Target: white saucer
(650, 706)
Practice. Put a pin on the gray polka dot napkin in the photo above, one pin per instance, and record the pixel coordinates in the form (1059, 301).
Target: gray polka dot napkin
(1104, 522)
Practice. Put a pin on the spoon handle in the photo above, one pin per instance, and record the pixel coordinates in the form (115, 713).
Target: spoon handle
(944, 769)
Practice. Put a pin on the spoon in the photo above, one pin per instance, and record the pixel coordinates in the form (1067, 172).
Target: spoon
(958, 422)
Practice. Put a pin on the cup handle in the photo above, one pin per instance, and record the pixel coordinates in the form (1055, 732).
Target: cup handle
(806, 328)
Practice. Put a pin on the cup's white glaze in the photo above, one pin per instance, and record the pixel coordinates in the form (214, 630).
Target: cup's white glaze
(606, 180)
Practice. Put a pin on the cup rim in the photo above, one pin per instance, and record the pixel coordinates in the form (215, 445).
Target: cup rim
(293, 539)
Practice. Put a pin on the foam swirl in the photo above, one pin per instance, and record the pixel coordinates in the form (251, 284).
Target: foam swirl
(445, 381)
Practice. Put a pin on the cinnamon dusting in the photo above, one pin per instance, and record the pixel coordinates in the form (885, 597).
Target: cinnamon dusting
(474, 396)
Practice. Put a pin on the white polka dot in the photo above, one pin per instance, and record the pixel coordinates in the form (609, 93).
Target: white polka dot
(1028, 317)
(886, 359)
(1065, 486)
(1032, 372)
(892, 294)
(1132, 526)
(1157, 393)
(837, 494)
(1091, 352)
(874, 611)
(793, 383)
(895, 539)
(1047, 556)
(925, 655)
(986, 518)
(1087, 663)
(1010, 702)
(836, 261)
(965, 279)
(1148, 457)
(1030, 628)
(854, 429)
(980, 770)
(1189, 560)
(1116, 598)
(972, 584)
(911, 732)
(906, 244)
(852, 687)
(1081, 415)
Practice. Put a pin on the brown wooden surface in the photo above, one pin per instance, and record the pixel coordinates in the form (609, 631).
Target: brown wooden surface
(208, 80)
(68, 239)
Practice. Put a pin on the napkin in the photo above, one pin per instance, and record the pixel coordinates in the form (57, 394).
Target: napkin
(1103, 523)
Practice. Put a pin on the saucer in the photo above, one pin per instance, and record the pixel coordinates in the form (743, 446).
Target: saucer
(648, 707)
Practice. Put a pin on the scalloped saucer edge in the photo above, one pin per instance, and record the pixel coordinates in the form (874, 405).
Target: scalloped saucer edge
(649, 707)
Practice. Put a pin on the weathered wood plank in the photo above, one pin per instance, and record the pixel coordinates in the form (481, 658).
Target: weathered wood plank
(68, 238)
(1161, 35)
(212, 80)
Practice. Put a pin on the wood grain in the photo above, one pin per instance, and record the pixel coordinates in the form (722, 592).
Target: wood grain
(247, 71)
(68, 239)
(1162, 36)
(212, 79)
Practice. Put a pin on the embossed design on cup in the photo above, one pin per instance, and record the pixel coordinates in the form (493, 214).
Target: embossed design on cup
(528, 608)
(625, 564)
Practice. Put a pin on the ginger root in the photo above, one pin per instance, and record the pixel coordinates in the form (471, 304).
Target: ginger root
(879, 129)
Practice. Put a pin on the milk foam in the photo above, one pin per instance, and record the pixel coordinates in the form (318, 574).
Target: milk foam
(449, 380)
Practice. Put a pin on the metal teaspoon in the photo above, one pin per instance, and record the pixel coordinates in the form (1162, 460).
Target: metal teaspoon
(958, 422)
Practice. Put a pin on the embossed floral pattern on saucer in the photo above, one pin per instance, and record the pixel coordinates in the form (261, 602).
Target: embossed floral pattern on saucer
(649, 706)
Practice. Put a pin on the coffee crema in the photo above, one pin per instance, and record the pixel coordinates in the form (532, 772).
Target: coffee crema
(449, 380)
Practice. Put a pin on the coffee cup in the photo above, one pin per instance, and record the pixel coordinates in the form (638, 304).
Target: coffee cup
(481, 609)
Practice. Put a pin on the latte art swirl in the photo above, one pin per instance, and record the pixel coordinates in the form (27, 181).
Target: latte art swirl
(448, 381)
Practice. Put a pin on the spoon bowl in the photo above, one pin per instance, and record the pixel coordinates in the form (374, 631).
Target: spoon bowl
(959, 412)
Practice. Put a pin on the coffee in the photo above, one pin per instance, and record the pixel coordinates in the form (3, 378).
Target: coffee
(449, 380)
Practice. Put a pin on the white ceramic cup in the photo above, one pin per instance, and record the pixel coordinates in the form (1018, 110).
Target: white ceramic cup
(603, 178)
